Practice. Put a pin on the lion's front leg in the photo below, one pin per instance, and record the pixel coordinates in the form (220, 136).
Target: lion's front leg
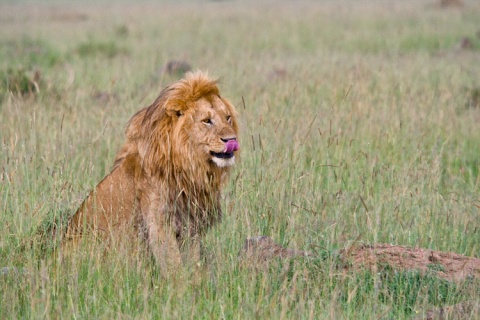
(192, 251)
(160, 237)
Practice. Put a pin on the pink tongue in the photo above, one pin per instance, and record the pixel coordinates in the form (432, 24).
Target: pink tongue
(231, 145)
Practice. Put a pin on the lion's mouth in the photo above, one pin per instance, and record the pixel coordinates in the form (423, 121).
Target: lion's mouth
(222, 155)
(230, 147)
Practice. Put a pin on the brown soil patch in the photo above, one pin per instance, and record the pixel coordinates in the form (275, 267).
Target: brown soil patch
(451, 3)
(263, 248)
(446, 265)
(176, 67)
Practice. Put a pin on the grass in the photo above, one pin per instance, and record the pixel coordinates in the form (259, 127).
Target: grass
(358, 120)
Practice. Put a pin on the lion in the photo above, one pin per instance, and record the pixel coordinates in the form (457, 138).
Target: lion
(167, 177)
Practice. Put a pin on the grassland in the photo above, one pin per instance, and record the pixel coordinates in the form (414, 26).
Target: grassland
(359, 120)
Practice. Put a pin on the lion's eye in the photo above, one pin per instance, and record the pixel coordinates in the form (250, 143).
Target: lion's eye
(207, 121)
(229, 119)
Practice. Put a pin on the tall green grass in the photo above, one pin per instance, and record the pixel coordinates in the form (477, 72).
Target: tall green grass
(359, 120)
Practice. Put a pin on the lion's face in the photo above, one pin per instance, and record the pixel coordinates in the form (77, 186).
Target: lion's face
(211, 130)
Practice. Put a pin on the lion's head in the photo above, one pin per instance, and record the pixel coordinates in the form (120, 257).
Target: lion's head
(189, 131)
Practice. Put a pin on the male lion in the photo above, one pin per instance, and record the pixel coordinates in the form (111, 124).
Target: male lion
(167, 177)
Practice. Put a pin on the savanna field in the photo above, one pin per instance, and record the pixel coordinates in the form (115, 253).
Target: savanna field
(360, 123)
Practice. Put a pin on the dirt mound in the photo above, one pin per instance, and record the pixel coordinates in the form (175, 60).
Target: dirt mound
(446, 265)
(451, 3)
(263, 248)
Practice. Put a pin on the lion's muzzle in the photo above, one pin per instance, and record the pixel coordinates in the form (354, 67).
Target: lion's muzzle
(226, 158)
(230, 147)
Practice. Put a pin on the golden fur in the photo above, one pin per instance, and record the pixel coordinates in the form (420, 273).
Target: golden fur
(167, 176)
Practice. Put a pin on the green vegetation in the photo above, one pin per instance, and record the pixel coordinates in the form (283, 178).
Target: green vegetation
(92, 49)
(18, 82)
(359, 119)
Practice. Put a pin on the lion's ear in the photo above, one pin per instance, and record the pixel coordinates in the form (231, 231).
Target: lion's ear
(175, 107)
(173, 111)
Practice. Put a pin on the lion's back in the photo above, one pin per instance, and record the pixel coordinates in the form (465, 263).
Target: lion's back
(111, 205)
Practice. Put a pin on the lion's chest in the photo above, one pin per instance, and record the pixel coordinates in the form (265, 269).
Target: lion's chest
(192, 216)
